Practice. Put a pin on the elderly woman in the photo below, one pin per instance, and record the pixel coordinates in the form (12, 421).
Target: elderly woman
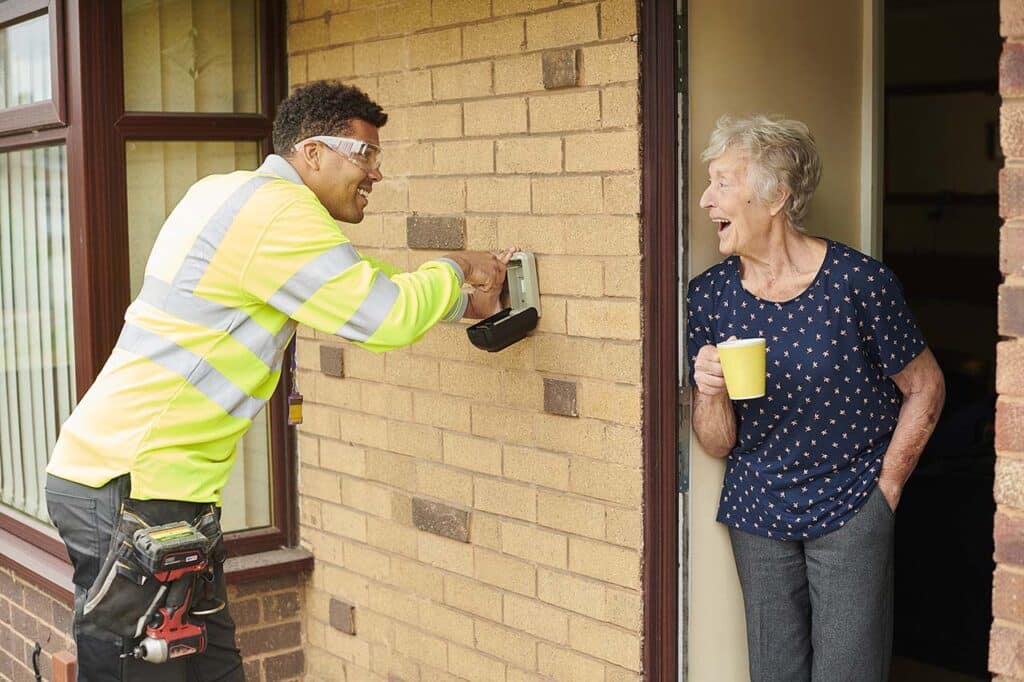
(817, 465)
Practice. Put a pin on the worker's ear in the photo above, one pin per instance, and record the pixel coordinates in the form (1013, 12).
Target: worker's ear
(309, 155)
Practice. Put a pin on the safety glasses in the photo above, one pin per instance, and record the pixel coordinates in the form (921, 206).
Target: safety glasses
(363, 154)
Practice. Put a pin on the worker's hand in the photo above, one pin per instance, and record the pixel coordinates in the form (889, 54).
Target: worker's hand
(483, 270)
(707, 371)
(483, 304)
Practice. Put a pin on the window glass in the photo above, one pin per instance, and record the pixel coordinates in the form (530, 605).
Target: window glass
(158, 174)
(25, 62)
(37, 369)
(190, 56)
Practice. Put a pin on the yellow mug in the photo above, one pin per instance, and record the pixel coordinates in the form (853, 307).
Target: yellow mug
(743, 363)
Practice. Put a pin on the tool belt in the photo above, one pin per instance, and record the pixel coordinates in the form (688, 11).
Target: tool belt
(126, 593)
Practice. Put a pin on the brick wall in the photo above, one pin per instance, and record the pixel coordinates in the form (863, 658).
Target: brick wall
(27, 616)
(1006, 652)
(478, 516)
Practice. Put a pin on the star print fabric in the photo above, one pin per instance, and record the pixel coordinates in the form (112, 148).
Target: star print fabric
(809, 452)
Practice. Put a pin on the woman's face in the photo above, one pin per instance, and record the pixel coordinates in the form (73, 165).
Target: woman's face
(741, 219)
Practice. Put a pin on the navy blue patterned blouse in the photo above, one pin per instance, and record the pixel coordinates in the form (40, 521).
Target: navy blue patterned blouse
(809, 452)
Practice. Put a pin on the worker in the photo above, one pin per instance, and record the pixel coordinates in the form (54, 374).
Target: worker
(240, 261)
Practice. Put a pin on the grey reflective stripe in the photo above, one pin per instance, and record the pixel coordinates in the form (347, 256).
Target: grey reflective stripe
(279, 166)
(200, 374)
(212, 234)
(455, 266)
(458, 310)
(372, 311)
(215, 316)
(312, 276)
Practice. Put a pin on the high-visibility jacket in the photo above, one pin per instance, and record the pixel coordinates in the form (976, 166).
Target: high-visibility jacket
(241, 259)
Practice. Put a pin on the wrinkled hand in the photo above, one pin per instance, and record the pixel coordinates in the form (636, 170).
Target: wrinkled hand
(707, 372)
(483, 270)
(484, 303)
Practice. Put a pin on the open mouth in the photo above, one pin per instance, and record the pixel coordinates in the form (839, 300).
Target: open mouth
(364, 193)
(722, 224)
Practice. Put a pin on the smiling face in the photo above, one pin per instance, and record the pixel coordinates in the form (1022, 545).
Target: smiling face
(341, 186)
(741, 218)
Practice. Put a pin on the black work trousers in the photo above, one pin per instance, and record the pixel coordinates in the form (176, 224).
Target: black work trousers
(86, 518)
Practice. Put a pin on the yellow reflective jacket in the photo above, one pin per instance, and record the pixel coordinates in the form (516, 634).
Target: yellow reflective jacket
(241, 259)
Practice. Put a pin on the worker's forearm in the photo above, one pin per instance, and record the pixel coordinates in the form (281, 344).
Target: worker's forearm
(918, 417)
(714, 422)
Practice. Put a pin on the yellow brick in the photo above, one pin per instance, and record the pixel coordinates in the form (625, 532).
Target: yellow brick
(394, 230)
(502, 7)
(523, 676)
(363, 429)
(618, 18)
(619, 107)
(324, 485)
(365, 233)
(473, 597)
(471, 665)
(445, 553)
(496, 116)
(392, 537)
(444, 483)
(529, 155)
(392, 666)
(471, 453)
(481, 233)
(404, 369)
(366, 561)
(343, 584)
(421, 646)
(368, 497)
(624, 527)
(405, 16)
(393, 603)
(605, 481)
(381, 55)
(390, 194)
(466, 157)
(537, 619)
(612, 63)
(331, 392)
(384, 400)
(605, 562)
(625, 609)
(505, 499)
(571, 514)
(504, 572)
(407, 159)
(606, 642)
(622, 194)
(553, 321)
(343, 521)
(579, 436)
(433, 122)
(297, 69)
(334, 63)
(608, 319)
(506, 644)
(414, 439)
(565, 111)
(375, 627)
(571, 592)
(485, 530)
(436, 47)
(437, 409)
(609, 360)
(498, 194)
(407, 87)
(450, 624)
(390, 468)
(536, 466)
(462, 80)
(579, 194)
(342, 457)
(623, 445)
(537, 234)
(352, 27)
(362, 364)
(469, 381)
(563, 664)
(347, 648)
(618, 403)
(309, 450)
(437, 195)
(415, 577)
(309, 513)
(326, 547)
(401, 508)
(612, 151)
(564, 27)
(307, 35)
(534, 544)
(507, 425)
(318, 8)
(507, 36)
(519, 74)
(319, 420)
(367, 84)
(460, 11)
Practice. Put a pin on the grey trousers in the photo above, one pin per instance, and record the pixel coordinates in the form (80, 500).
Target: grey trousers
(85, 519)
(820, 610)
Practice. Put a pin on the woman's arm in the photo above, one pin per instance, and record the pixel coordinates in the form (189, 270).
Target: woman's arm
(714, 420)
(924, 392)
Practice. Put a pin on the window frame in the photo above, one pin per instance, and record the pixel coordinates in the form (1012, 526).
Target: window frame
(95, 127)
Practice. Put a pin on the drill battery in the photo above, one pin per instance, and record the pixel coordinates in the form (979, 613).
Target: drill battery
(171, 550)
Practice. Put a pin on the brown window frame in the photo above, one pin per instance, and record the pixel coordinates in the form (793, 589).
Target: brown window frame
(92, 121)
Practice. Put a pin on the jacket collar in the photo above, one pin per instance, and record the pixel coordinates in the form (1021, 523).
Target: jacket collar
(277, 165)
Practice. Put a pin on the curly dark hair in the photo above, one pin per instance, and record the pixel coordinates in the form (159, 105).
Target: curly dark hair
(322, 108)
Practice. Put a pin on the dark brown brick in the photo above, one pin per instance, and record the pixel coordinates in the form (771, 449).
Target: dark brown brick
(278, 582)
(561, 69)
(1008, 595)
(1009, 426)
(245, 612)
(1011, 310)
(284, 666)
(1011, 16)
(1011, 129)
(62, 617)
(24, 624)
(253, 670)
(1006, 651)
(1010, 367)
(343, 616)
(1011, 192)
(560, 397)
(1009, 535)
(1011, 70)
(281, 606)
(273, 638)
(332, 361)
(11, 589)
(37, 603)
(440, 519)
(1011, 245)
(1009, 485)
(435, 232)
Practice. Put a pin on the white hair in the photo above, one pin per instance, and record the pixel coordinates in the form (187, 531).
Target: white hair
(782, 156)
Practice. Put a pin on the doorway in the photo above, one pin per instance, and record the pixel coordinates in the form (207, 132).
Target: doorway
(941, 237)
